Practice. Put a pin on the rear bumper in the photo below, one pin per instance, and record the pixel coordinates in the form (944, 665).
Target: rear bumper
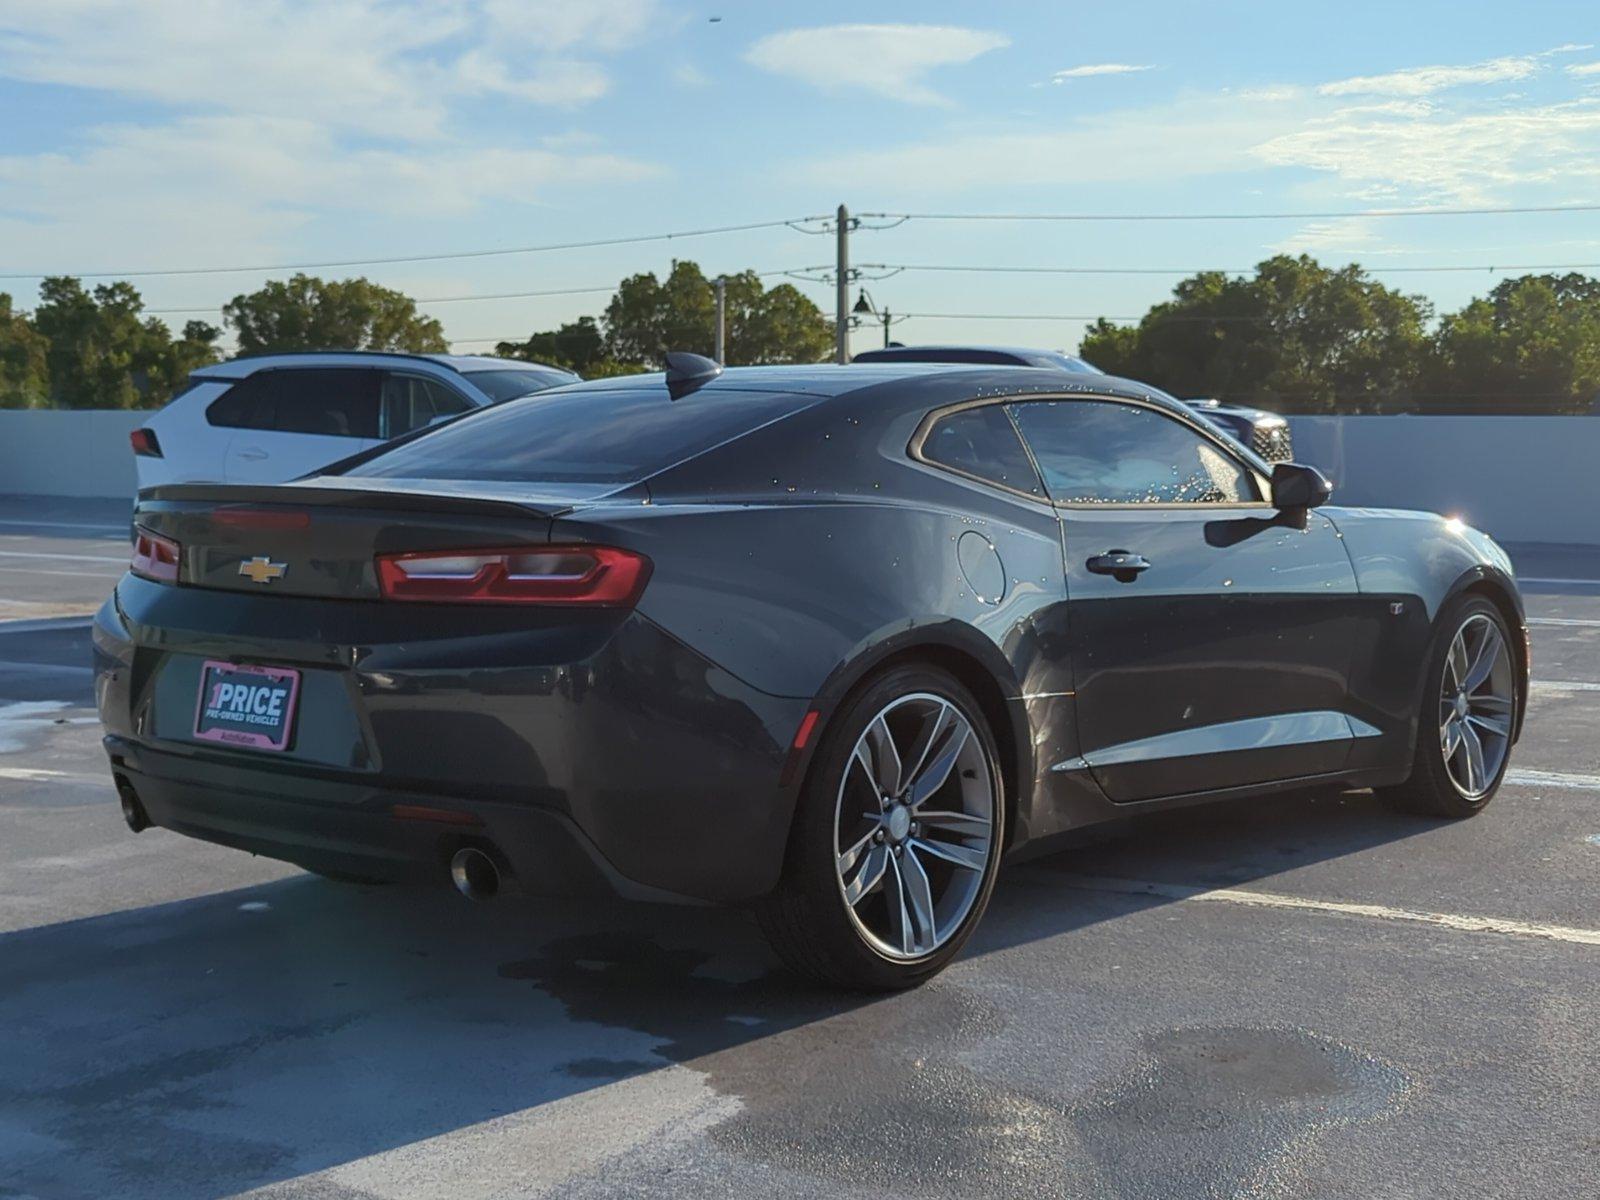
(608, 760)
(352, 829)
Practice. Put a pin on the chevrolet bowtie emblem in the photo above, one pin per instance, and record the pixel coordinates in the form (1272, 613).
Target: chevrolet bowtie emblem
(262, 569)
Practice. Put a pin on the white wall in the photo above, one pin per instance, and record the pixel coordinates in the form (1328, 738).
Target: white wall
(1520, 479)
(67, 453)
(1523, 479)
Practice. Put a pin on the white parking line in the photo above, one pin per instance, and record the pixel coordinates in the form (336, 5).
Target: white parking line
(1555, 779)
(107, 529)
(47, 668)
(1382, 912)
(1579, 582)
(123, 559)
(106, 575)
(1564, 685)
(1577, 622)
(41, 775)
(43, 624)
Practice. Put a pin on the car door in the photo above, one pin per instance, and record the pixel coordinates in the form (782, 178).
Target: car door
(293, 420)
(1211, 635)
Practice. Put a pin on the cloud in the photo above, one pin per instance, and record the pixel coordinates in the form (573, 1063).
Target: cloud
(889, 60)
(388, 68)
(1424, 81)
(1392, 151)
(1463, 157)
(1343, 236)
(1584, 69)
(286, 111)
(233, 188)
(1194, 136)
(1090, 70)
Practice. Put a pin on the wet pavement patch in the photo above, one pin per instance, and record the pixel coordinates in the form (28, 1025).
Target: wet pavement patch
(1226, 1108)
(888, 1093)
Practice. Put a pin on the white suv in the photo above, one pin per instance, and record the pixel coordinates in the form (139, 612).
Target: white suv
(276, 417)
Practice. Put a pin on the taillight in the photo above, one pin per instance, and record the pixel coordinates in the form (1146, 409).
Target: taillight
(154, 557)
(592, 576)
(144, 443)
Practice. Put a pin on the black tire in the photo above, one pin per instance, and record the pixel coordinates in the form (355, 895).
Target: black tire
(1431, 791)
(807, 919)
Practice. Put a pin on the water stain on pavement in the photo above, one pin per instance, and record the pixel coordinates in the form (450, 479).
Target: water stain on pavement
(882, 1093)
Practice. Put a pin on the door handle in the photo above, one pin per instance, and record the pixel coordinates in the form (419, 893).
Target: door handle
(253, 454)
(1119, 564)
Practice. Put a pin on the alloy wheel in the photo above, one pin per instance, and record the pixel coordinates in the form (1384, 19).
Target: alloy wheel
(914, 824)
(1477, 702)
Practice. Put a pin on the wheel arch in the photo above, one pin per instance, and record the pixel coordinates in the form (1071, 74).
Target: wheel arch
(974, 660)
(1499, 591)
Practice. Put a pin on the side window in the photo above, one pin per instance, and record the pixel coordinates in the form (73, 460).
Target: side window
(246, 405)
(982, 442)
(411, 401)
(328, 402)
(1102, 452)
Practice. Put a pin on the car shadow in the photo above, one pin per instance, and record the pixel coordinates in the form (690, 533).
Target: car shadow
(200, 1048)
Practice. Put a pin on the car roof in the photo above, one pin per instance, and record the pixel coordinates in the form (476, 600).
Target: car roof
(247, 364)
(882, 380)
(1022, 356)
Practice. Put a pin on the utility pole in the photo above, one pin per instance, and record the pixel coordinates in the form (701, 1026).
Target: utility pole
(841, 319)
(722, 320)
(887, 321)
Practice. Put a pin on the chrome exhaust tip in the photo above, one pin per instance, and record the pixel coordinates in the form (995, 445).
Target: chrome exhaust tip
(132, 810)
(475, 874)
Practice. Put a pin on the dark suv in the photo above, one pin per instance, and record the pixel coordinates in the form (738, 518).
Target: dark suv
(1264, 432)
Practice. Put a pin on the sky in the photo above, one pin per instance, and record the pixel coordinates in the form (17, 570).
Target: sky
(148, 135)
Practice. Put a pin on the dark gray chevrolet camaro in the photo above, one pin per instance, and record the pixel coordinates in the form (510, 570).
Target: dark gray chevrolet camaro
(831, 641)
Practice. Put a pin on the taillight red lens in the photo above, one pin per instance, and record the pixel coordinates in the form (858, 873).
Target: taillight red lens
(154, 557)
(144, 443)
(592, 576)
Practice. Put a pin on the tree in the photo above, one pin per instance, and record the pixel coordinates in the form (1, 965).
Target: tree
(196, 348)
(102, 354)
(306, 313)
(648, 317)
(1533, 339)
(577, 345)
(24, 367)
(1296, 335)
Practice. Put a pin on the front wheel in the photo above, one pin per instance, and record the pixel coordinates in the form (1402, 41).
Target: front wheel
(897, 838)
(1469, 710)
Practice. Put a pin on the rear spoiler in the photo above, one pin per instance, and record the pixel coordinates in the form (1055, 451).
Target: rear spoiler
(289, 495)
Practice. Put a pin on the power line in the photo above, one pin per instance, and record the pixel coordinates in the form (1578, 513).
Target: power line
(977, 268)
(417, 258)
(583, 291)
(931, 316)
(1257, 216)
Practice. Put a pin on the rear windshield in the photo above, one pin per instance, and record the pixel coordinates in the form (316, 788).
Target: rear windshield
(572, 437)
(508, 384)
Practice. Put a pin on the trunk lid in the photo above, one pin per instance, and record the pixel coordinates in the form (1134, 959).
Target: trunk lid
(321, 541)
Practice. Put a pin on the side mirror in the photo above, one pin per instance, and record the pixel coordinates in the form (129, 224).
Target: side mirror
(1297, 486)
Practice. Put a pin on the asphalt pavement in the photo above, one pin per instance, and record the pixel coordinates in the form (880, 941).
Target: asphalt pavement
(1299, 996)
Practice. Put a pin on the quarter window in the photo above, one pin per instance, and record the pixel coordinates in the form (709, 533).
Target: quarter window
(329, 403)
(410, 402)
(983, 443)
(1102, 452)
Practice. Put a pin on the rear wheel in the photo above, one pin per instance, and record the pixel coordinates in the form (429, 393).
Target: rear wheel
(897, 839)
(1468, 712)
